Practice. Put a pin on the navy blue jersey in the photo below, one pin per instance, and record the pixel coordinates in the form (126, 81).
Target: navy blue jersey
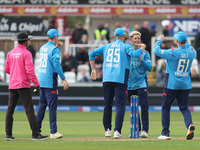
(178, 62)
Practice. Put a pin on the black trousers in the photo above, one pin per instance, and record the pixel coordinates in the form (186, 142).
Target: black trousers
(25, 95)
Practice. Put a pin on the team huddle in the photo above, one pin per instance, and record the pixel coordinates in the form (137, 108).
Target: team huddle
(124, 74)
(131, 74)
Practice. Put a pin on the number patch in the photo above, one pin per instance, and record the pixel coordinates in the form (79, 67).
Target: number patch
(183, 65)
(113, 55)
(43, 60)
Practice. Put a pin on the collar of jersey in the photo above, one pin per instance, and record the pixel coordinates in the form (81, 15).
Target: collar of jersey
(182, 47)
(118, 40)
(50, 42)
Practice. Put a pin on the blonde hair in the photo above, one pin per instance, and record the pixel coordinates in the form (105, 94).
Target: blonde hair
(134, 33)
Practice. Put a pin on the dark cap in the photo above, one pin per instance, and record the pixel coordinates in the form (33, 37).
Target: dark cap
(22, 36)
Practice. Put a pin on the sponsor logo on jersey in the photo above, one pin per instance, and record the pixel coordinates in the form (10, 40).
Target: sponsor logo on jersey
(135, 63)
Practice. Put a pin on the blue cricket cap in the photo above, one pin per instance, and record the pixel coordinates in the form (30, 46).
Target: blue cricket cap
(119, 32)
(52, 33)
(180, 36)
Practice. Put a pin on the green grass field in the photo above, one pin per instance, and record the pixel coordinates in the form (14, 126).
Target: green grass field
(84, 131)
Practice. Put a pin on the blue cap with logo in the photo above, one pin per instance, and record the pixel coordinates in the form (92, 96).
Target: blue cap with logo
(52, 33)
(119, 32)
(180, 36)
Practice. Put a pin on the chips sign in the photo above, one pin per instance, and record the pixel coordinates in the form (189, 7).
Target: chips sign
(10, 26)
(189, 26)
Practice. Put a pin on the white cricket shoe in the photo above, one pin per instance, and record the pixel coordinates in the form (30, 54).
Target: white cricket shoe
(117, 135)
(56, 135)
(143, 134)
(190, 133)
(163, 137)
(108, 133)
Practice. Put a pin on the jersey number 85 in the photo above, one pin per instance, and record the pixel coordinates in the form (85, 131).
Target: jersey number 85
(113, 53)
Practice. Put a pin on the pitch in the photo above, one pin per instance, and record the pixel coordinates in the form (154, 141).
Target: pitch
(84, 131)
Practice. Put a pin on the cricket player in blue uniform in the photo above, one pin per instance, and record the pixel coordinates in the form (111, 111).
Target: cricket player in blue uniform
(116, 67)
(138, 82)
(49, 70)
(177, 81)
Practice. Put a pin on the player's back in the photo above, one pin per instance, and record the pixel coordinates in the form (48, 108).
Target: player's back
(46, 69)
(178, 71)
(116, 62)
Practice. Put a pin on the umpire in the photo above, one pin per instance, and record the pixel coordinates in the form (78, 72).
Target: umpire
(19, 65)
(115, 77)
